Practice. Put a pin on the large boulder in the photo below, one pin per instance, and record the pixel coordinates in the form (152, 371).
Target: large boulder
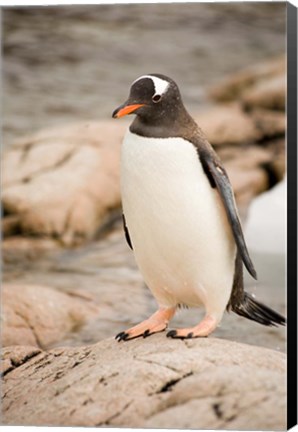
(156, 382)
(228, 124)
(62, 182)
(40, 316)
(268, 93)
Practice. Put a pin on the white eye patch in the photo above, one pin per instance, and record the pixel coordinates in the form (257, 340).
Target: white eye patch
(160, 85)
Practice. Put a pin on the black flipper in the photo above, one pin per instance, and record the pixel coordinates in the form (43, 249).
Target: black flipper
(237, 293)
(126, 232)
(245, 305)
(214, 170)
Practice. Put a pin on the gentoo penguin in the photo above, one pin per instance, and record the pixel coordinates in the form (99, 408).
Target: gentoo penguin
(180, 217)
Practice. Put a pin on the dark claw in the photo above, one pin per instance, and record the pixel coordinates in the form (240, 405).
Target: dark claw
(146, 333)
(121, 336)
(172, 333)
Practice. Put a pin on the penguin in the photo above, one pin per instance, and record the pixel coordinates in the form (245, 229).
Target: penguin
(180, 217)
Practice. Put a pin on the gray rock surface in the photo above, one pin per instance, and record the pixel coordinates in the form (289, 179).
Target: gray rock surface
(154, 382)
(40, 315)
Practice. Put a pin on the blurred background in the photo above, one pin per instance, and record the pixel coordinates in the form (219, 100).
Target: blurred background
(65, 69)
(70, 63)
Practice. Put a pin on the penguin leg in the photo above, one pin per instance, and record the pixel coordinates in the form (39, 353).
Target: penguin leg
(158, 322)
(203, 329)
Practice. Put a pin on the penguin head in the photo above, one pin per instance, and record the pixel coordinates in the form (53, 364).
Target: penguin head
(151, 97)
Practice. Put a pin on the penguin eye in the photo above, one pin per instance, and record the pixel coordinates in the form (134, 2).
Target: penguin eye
(156, 98)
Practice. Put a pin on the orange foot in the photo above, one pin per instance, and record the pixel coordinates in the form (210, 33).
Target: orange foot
(203, 329)
(158, 322)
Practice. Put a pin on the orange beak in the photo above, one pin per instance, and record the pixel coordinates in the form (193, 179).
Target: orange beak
(126, 109)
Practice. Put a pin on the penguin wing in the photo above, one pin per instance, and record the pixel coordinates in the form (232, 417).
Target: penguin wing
(126, 232)
(218, 178)
(237, 294)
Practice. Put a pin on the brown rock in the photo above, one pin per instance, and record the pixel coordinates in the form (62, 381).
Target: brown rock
(233, 86)
(62, 182)
(247, 185)
(155, 382)
(269, 93)
(244, 157)
(278, 162)
(22, 249)
(278, 167)
(269, 123)
(39, 316)
(10, 225)
(227, 124)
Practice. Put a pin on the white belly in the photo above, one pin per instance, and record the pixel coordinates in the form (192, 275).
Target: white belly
(181, 238)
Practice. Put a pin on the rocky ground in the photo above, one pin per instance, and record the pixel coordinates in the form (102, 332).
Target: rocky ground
(155, 383)
(70, 280)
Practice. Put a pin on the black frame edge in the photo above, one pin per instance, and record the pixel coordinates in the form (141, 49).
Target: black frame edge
(292, 214)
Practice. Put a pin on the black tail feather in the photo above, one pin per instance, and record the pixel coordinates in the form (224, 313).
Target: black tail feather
(256, 311)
